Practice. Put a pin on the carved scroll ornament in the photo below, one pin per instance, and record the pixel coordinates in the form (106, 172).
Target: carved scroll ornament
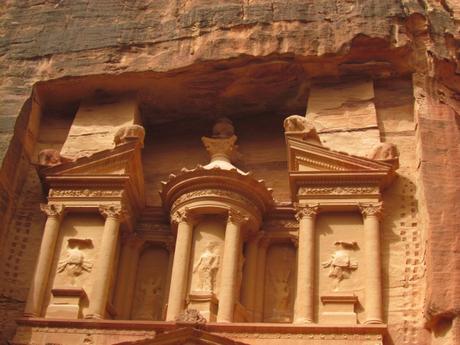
(237, 217)
(371, 209)
(112, 211)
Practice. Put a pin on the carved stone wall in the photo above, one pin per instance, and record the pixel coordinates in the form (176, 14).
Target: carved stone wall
(150, 289)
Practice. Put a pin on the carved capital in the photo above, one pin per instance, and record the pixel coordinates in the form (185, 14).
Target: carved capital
(236, 217)
(182, 216)
(112, 211)
(371, 209)
(52, 210)
(309, 211)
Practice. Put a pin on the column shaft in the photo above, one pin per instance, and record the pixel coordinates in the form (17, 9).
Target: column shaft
(374, 313)
(45, 257)
(229, 272)
(180, 269)
(304, 302)
(104, 265)
(249, 274)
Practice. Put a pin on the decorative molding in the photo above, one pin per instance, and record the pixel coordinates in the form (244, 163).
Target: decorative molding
(371, 209)
(213, 193)
(338, 190)
(237, 217)
(317, 163)
(85, 193)
(309, 211)
(182, 216)
(52, 210)
(112, 211)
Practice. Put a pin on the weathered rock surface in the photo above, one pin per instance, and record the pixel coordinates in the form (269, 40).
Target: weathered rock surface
(246, 57)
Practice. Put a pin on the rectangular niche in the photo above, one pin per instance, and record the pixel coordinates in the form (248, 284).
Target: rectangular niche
(340, 268)
(280, 278)
(76, 256)
(205, 266)
(150, 289)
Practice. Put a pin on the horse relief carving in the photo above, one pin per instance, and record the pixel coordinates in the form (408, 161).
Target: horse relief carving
(341, 264)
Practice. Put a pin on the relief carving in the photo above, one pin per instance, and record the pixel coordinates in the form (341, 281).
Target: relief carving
(129, 133)
(85, 193)
(341, 265)
(190, 315)
(51, 158)
(296, 124)
(52, 210)
(337, 190)
(207, 267)
(371, 209)
(112, 211)
(74, 263)
(149, 298)
(306, 211)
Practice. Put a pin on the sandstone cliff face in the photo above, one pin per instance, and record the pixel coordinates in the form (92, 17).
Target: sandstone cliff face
(82, 46)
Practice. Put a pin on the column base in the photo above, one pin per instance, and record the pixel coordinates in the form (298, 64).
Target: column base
(302, 320)
(373, 322)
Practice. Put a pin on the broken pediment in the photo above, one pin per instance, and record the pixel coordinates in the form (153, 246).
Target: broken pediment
(314, 168)
(188, 336)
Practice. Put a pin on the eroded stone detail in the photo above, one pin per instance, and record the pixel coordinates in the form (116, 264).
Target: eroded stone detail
(371, 209)
(74, 263)
(52, 210)
(338, 190)
(190, 315)
(207, 266)
(129, 133)
(306, 211)
(50, 158)
(341, 265)
(112, 211)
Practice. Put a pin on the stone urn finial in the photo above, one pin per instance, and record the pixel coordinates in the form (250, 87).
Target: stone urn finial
(222, 145)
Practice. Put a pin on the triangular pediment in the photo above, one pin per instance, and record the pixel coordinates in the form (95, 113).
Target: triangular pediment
(307, 157)
(117, 161)
(188, 335)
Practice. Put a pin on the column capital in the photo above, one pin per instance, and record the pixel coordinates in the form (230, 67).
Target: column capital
(309, 211)
(371, 209)
(183, 216)
(236, 217)
(112, 211)
(52, 210)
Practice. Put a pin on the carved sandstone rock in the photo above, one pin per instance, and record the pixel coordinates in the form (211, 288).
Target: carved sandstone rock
(51, 157)
(299, 126)
(129, 133)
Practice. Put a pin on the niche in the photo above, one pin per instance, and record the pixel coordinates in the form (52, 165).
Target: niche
(280, 276)
(149, 292)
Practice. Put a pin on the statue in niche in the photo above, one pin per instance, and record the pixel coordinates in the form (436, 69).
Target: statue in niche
(341, 264)
(207, 267)
(149, 298)
(74, 262)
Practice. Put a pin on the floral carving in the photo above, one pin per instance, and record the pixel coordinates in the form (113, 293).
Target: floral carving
(236, 217)
(112, 211)
(85, 193)
(191, 315)
(52, 210)
(337, 190)
(306, 211)
(182, 216)
(371, 209)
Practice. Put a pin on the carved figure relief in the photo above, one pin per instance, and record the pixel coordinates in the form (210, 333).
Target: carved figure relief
(207, 267)
(149, 292)
(341, 265)
(74, 263)
(150, 296)
(279, 286)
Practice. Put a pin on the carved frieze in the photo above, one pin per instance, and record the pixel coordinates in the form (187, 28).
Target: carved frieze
(85, 193)
(337, 190)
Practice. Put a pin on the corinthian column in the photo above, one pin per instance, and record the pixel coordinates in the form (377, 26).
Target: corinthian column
(45, 257)
(180, 264)
(304, 306)
(371, 213)
(105, 260)
(232, 248)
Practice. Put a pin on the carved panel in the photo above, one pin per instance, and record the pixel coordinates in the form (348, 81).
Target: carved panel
(280, 283)
(149, 292)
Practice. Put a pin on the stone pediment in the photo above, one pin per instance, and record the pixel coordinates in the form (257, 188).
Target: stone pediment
(121, 160)
(314, 169)
(189, 336)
